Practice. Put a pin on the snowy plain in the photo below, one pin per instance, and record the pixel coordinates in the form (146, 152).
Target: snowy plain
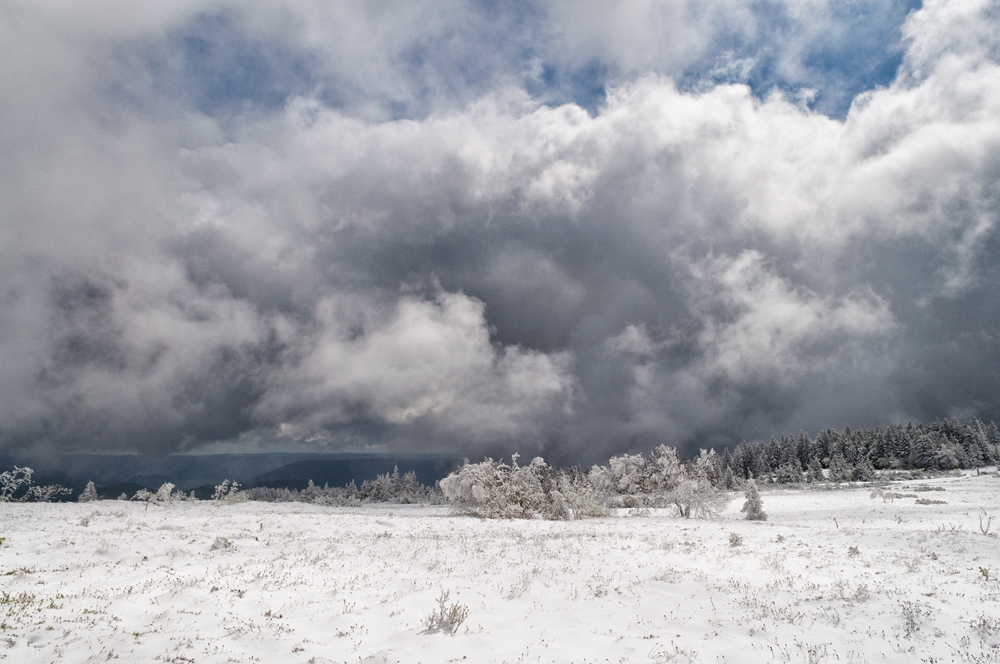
(832, 575)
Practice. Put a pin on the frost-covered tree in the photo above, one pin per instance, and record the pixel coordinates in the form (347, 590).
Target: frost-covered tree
(754, 505)
(89, 493)
(664, 471)
(696, 495)
(789, 472)
(48, 493)
(815, 470)
(863, 471)
(497, 490)
(165, 493)
(16, 485)
(572, 496)
(840, 470)
(229, 492)
(12, 481)
(687, 486)
(624, 475)
(145, 496)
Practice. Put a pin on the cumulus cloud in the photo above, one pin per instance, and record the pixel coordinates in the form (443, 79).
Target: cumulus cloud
(422, 361)
(754, 322)
(355, 224)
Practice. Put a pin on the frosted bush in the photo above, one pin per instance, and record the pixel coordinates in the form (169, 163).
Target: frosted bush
(446, 618)
(497, 490)
(228, 492)
(44, 494)
(664, 480)
(574, 497)
(11, 482)
(695, 495)
(494, 489)
(165, 493)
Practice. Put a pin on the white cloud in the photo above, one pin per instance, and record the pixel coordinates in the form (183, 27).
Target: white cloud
(419, 360)
(756, 324)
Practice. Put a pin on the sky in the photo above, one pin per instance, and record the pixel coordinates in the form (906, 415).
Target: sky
(569, 229)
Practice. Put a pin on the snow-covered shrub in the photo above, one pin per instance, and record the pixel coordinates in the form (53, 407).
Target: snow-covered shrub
(572, 496)
(496, 490)
(663, 480)
(145, 496)
(89, 493)
(165, 493)
(754, 505)
(446, 618)
(12, 481)
(987, 627)
(693, 491)
(228, 492)
(15, 485)
(623, 481)
(695, 495)
(912, 616)
(44, 494)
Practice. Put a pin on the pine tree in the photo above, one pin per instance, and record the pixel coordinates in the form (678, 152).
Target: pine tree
(840, 470)
(815, 473)
(804, 449)
(923, 452)
(754, 506)
(991, 451)
(89, 493)
(863, 471)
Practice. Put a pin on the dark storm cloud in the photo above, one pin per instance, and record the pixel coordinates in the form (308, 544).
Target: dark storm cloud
(546, 227)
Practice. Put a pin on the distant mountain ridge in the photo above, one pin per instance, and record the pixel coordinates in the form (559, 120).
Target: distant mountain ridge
(188, 471)
(340, 472)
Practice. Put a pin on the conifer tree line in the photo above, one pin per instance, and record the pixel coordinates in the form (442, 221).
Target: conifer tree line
(697, 486)
(664, 478)
(854, 455)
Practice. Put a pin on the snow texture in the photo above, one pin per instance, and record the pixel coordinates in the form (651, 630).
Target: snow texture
(833, 575)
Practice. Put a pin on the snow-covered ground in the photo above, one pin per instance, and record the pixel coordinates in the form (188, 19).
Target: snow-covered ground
(831, 576)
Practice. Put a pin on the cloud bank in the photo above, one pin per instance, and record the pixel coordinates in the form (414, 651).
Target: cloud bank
(537, 226)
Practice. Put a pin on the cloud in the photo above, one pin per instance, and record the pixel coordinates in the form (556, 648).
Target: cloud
(455, 225)
(754, 322)
(421, 362)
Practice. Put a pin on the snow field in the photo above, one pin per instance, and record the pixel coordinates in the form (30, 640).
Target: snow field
(831, 576)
